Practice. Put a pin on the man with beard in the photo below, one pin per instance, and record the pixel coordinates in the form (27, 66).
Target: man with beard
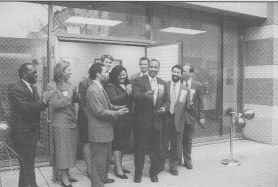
(26, 107)
(194, 113)
(151, 101)
(143, 64)
(101, 115)
(179, 95)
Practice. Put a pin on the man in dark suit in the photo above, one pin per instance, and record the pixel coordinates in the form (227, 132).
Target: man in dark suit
(194, 113)
(101, 115)
(26, 107)
(143, 64)
(151, 102)
(179, 95)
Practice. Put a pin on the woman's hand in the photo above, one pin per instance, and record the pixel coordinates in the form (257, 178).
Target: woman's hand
(128, 89)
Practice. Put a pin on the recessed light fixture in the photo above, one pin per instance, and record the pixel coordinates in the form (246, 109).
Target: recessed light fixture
(181, 30)
(93, 21)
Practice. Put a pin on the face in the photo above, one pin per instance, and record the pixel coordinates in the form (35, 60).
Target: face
(153, 68)
(30, 75)
(67, 73)
(186, 74)
(107, 62)
(143, 66)
(176, 74)
(122, 77)
(104, 75)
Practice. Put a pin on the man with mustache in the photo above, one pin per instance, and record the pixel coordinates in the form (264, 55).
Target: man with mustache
(26, 107)
(151, 101)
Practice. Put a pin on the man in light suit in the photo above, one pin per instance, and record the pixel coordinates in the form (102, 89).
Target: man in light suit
(194, 113)
(143, 64)
(179, 95)
(101, 115)
(26, 107)
(151, 102)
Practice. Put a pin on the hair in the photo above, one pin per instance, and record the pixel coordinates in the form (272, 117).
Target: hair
(191, 68)
(114, 74)
(95, 68)
(178, 67)
(106, 56)
(155, 60)
(23, 69)
(59, 69)
(143, 58)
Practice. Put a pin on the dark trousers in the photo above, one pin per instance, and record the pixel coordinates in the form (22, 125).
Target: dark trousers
(26, 160)
(100, 163)
(143, 139)
(188, 134)
(165, 140)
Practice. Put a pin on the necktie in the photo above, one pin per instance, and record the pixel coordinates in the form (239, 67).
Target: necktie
(173, 98)
(107, 99)
(154, 87)
(186, 84)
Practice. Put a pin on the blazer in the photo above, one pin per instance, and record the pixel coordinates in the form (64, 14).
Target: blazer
(82, 90)
(100, 117)
(134, 77)
(63, 113)
(25, 114)
(118, 96)
(145, 110)
(180, 106)
(196, 111)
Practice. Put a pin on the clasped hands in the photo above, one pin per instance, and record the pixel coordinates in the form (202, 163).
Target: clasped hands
(122, 110)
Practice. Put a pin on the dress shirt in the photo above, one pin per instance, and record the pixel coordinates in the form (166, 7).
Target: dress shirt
(154, 85)
(142, 74)
(28, 85)
(188, 82)
(178, 84)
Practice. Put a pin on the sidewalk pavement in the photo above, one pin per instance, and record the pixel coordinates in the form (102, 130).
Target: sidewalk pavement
(259, 167)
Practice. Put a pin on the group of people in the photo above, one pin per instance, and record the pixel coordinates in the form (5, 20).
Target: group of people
(161, 114)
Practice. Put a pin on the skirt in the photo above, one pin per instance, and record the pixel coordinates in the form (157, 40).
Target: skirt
(65, 140)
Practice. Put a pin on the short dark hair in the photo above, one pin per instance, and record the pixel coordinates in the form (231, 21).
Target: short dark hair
(155, 60)
(114, 74)
(191, 68)
(106, 56)
(95, 68)
(23, 69)
(178, 67)
(143, 58)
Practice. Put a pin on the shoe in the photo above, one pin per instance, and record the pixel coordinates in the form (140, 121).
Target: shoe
(119, 176)
(63, 184)
(188, 166)
(174, 172)
(109, 181)
(154, 179)
(137, 179)
(126, 171)
(72, 180)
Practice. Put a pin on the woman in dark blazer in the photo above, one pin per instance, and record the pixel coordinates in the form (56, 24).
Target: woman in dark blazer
(63, 118)
(118, 90)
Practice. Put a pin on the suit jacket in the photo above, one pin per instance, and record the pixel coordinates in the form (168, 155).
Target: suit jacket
(25, 114)
(82, 90)
(118, 96)
(196, 111)
(180, 107)
(100, 117)
(145, 109)
(63, 113)
(134, 77)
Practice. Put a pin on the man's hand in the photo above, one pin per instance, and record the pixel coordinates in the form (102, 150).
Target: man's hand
(149, 94)
(161, 110)
(121, 107)
(128, 89)
(123, 111)
(47, 95)
(202, 123)
(74, 87)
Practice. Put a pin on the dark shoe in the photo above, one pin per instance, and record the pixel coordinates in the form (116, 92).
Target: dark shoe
(154, 179)
(63, 184)
(72, 180)
(188, 166)
(126, 171)
(174, 172)
(137, 179)
(119, 176)
(109, 181)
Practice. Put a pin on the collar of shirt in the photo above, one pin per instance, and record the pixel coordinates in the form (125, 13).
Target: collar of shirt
(150, 79)
(99, 85)
(28, 85)
(141, 74)
(189, 82)
(177, 87)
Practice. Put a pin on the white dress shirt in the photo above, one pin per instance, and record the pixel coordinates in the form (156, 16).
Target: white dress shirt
(178, 84)
(189, 82)
(154, 85)
(28, 85)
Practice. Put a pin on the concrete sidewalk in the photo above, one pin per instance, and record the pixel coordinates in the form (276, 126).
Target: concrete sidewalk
(259, 167)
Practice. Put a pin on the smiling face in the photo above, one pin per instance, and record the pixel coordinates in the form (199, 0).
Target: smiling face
(176, 74)
(30, 75)
(186, 72)
(107, 62)
(153, 68)
(67, 73)
(143, 66)
(122, 77)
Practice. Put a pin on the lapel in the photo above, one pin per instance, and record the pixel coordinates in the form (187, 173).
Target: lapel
(25, 87)
(148, 85)
(102, 95)
(159, 82)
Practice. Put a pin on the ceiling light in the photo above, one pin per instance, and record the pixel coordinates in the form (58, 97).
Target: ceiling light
(93, 21)
(181, 30)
